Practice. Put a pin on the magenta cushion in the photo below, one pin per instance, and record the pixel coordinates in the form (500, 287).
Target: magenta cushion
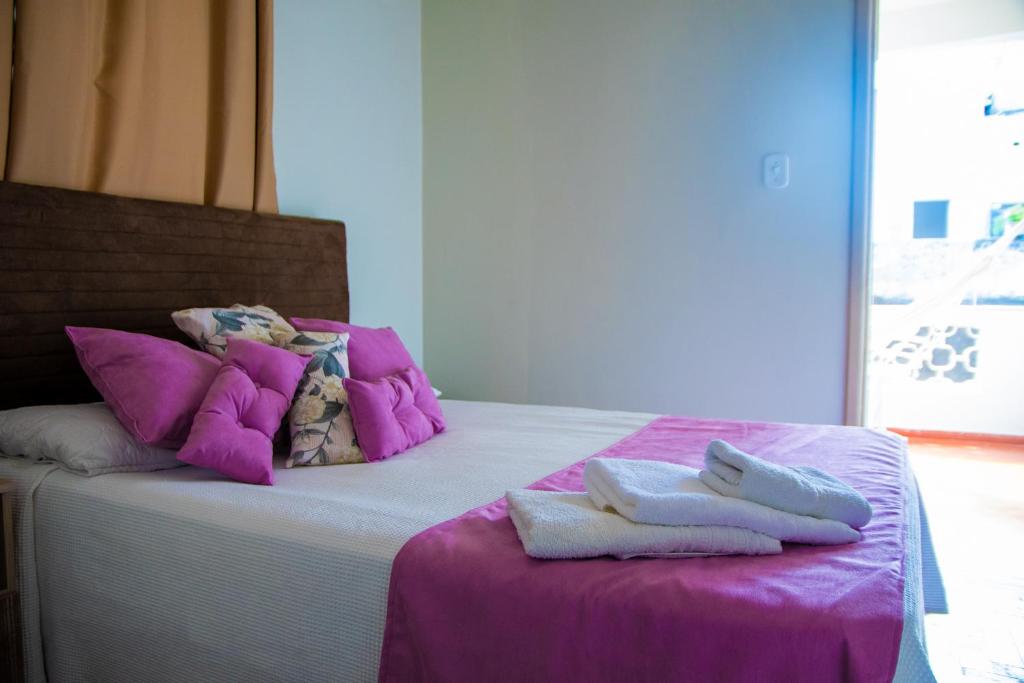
(153, 386)
(385, 415)
(378, 352)
(234, 429)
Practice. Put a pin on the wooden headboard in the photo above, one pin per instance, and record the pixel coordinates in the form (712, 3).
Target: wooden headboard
(94, 260)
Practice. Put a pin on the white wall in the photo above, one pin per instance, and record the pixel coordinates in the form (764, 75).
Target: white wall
(348, 143)
(595, 231)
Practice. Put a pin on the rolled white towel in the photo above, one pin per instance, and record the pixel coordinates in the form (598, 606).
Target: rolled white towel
(800, 490)
(559, 525)
(652, 492)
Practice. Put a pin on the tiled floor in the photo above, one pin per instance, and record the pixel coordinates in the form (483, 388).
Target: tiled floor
(974, 492)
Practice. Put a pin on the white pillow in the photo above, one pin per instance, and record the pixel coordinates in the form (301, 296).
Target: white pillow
(84, 439)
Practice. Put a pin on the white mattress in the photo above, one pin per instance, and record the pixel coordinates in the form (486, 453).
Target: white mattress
(179, 575)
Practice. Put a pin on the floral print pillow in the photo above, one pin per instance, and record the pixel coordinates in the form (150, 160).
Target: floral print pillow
(320, 421)
(210, 328)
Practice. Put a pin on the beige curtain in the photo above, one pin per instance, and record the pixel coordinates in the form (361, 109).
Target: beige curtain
(164, 99)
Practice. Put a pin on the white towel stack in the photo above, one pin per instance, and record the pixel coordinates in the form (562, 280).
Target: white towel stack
(651, 492)
(740, 505)
(559, 525)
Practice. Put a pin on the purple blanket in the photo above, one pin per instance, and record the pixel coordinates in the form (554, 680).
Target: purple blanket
(467, 604)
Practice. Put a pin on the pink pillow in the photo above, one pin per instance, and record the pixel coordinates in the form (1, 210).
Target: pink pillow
(385, 415)
(154, 386)
(234, 429)
(377, 352)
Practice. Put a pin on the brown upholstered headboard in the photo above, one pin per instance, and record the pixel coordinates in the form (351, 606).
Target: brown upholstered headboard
(80, 258)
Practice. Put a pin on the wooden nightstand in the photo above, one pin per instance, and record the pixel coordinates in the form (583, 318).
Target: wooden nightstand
(10, 615)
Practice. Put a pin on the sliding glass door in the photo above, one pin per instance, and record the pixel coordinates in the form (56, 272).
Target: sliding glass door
(945, 300)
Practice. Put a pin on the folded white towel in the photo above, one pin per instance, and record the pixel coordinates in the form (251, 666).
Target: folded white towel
(652, 492)
(558, 525)
(800, 490)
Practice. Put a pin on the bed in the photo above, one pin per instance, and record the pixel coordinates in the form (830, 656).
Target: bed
(180, 575)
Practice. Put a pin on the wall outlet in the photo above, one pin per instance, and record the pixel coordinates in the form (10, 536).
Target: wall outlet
(776, 171)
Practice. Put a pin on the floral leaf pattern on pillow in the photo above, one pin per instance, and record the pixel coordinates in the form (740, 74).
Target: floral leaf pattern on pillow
(211, 328)
(320, 422)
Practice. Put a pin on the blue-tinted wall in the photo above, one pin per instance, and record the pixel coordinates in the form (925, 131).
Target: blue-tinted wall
(348, 137)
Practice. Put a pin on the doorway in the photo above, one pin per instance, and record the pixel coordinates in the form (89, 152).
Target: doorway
(945, 323)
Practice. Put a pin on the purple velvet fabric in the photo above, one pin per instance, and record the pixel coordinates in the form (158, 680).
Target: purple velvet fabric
(385, 415)
(378, 352)
(154, 386)
(234, 429)
(467, 604)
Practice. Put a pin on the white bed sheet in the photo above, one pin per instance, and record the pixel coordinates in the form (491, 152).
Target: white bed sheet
(176, 575)
(27, 475)
(179, 575)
